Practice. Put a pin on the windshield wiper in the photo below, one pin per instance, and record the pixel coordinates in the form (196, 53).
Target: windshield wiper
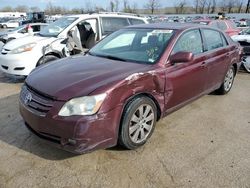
(108, 57)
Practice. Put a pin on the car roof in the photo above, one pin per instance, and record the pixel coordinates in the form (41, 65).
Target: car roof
(173, 26)
(82, 16)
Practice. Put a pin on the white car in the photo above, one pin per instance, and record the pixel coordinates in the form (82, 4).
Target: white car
(21, 31)
(244, 39)
(10, 24)
(69, 35)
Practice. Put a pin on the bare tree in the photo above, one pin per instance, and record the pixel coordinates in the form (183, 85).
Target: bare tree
(202, 5)
(213, 8)
(116, 5)
(7, 9)
(209, 5)
(21, 8)
(112, 6)
(196, 4)
(239, 5)
(180, 7)
(230, 5)
(34, 9)
(152, 5)
(248, 5)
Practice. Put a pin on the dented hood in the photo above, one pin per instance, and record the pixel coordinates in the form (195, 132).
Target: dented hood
(79, 76)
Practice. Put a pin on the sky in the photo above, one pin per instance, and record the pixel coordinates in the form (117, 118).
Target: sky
(76, 3)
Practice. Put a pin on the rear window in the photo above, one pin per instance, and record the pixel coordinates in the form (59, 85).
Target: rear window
(111, 24)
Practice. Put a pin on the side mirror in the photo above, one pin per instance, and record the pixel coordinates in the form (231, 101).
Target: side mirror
(181, 57)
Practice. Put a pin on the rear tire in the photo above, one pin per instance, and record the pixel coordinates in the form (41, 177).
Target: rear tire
(4, 26)
(227, 83)
(46, 59)
(138, 122)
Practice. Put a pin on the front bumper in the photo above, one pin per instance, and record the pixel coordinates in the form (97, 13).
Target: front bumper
(76, 134)
(18, 64)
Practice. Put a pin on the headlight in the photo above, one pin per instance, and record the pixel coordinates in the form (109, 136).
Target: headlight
(24, 48)
(88, 105)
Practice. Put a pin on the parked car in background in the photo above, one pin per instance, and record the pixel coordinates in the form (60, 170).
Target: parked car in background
(10, 24)
(67, 36)
(244, 40)
(126, 83)
(20, 31)
(227, 26)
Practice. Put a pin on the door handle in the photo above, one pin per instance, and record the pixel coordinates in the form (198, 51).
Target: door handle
(228, 54)
(204, 64)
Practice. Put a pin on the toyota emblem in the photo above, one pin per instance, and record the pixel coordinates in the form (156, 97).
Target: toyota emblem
(28, 98)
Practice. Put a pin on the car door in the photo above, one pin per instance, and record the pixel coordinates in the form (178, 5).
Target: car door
(186, 81)
(217, 54)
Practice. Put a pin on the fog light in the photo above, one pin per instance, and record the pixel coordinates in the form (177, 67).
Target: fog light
(71, 141)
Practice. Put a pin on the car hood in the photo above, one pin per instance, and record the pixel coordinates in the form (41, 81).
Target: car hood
(238, 38)
(79, 76)
(27, 40)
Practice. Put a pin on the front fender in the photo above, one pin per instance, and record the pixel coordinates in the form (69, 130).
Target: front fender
(150, 83)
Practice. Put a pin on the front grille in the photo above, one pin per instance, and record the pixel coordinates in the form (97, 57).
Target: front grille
(36, 102)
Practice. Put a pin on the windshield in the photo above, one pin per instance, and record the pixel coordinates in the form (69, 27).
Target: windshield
(55, 28)
(136, 45)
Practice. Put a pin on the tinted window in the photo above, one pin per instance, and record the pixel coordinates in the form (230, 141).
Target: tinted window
(213, 39)
(36, 28)
(189, 42)
(109, 25)
(222, 25)
(135, 21)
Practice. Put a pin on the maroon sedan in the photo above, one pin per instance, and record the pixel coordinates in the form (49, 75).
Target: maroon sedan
(227, 26)
(127, 82)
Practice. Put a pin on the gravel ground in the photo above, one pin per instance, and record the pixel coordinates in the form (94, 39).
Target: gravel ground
(205, 144)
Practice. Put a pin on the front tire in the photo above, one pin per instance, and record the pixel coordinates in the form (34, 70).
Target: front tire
(228, 82)
(138, 122)
(4, 26)
(46, 59)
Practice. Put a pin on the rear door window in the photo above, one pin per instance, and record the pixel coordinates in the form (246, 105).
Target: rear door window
(111, 24)
(213, 39)
(135, 21)
(189, 42)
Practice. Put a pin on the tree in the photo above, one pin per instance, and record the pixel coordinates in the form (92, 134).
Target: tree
(202, 5)
(196, 4)
(248, 4)
(238, 5)
(7, 9)
(112, 6)
(21, 8)
(213, 8)
(116, 5)
(34, 9)
(230, 5)
(180, 7)
(152, 5)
